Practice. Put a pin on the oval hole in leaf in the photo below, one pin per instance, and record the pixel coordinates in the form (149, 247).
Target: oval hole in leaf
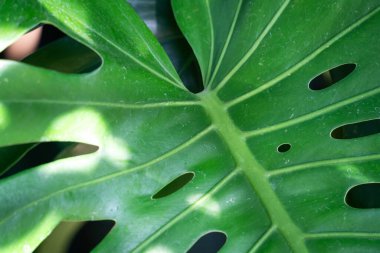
(47, 47)
(211, 242)
(285, 147)
(30, 155)
(364, 196)
(76, 236)
(332, 76)
(174, 185)
(357, 130)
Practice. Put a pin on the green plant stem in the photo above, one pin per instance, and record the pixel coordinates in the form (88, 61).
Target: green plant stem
(256, 174)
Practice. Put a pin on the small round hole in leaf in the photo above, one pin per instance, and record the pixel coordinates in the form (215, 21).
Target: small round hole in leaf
(174, 185)
(285, 147)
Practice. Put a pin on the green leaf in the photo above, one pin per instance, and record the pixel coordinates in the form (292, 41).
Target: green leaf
(267, 171)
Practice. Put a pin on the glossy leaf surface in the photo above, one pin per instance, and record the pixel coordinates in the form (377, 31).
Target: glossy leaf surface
(257, 59)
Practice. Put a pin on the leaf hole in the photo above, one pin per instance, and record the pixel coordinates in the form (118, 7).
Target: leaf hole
(211, 242)
(331, 76)
(18, 158)
(357, 130)
(174, 185)
(364, 196)
(285, 147)
(47, 47)
(78, 237)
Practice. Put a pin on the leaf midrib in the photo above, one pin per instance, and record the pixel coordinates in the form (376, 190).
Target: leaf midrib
(255, 173)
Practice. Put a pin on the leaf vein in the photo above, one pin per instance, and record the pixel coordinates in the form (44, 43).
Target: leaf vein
(143, 65)
(313, 114)
(189, 209)
(255, 45)
(365, 235)
(103, 104)
(303, 62)
(212, 37)
(224, 50)
(313, 164)
(112, 175)
(262, 239)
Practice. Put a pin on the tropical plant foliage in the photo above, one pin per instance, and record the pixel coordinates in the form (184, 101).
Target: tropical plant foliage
(265, 154)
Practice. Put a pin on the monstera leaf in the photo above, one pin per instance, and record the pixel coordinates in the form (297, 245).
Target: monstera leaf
(274, 153)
